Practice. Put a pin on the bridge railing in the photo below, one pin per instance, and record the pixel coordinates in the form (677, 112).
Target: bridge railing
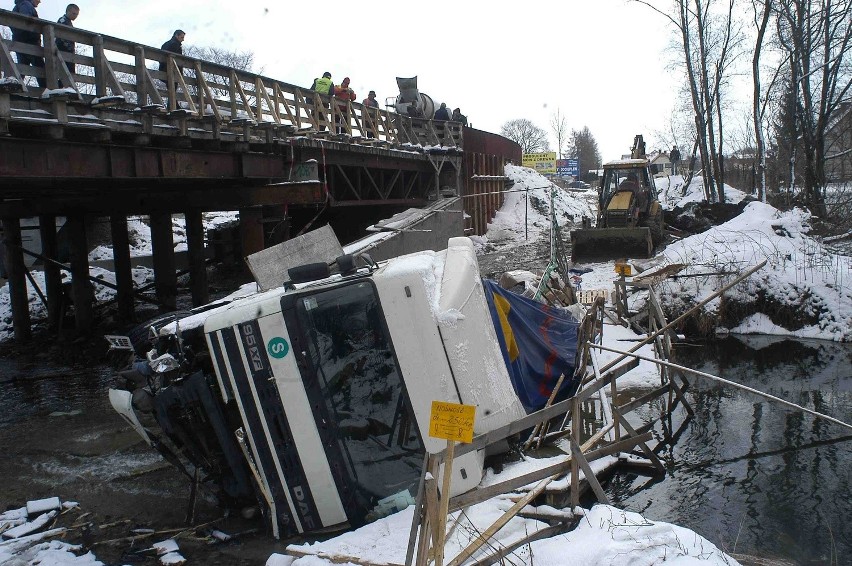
(108, 70)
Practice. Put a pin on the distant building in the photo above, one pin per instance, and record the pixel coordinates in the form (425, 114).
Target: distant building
(660, 163)
(838, 142)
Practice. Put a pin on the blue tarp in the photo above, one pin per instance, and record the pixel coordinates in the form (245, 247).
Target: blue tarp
(539, 344)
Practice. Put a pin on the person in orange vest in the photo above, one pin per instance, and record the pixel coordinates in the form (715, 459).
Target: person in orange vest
(343, 92)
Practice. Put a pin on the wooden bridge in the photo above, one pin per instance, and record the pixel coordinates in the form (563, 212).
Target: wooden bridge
(124, 137)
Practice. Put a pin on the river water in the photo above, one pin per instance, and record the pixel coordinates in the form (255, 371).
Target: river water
(750, 474)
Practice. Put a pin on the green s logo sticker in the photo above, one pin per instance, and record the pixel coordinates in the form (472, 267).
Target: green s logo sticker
(277, 347)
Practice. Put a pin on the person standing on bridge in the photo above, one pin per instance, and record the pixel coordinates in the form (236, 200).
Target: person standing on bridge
(371, 106)
(459, 117)
(66, 45)
(174, 45)
(343, 92)
(28, 8)
(322, 85)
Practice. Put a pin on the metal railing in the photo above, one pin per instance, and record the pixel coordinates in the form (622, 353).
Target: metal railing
(106, 70)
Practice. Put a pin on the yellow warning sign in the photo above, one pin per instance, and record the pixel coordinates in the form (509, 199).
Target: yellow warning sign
(452, 421)
(623, 269)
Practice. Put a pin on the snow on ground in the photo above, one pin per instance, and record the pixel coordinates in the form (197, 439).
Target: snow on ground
(673, 194)
(20, 544)
(605, 536)
(517, 218)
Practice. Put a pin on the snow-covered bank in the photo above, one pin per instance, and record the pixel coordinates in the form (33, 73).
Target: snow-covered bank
(804, 291)
(604, 536)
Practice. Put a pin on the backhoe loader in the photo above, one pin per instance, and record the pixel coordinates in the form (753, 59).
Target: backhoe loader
(630, 217)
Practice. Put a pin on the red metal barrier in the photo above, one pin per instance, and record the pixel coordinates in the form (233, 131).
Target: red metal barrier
(485, 155)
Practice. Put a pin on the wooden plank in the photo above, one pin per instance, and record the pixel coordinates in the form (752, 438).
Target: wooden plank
(616, 447)
(587, 471)
(642, 446)
(591, 387)
(177, 73)
(8, 65)
(499, 523)
(503, 551)
(50, 57)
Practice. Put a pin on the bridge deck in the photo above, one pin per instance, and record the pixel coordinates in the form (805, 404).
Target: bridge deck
(124, 137)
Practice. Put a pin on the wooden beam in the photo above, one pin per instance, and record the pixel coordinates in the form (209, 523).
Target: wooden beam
(165, 270)
(121, 266)
(52, 274)
(81, 287)
(251, 230)
(16, 272)
(197, 258)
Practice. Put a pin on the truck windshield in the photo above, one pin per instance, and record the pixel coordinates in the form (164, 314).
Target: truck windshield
(365, 417)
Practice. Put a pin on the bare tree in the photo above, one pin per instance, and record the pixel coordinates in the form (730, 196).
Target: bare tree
(710, 42)
(762, 11)
(560, 127)
(583, 147)
(817, 36)
(530, 137)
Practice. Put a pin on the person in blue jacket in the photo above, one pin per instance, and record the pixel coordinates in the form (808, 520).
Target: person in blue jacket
(442, 113)
(28, 8)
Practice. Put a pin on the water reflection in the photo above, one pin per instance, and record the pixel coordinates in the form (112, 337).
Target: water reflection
(28, 390)
(752, 475)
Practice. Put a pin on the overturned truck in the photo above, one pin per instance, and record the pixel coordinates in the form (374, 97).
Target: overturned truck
(313, 399)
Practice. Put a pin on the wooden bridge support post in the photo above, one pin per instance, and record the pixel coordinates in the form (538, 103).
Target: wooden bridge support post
(81, 288)
(141, 72)
(251, 230)
(52, 274)
(15, 271)
(121, 265)
(197, 258)
(165, 267)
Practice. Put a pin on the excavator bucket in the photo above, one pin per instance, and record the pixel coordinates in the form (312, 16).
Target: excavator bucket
(601, 244)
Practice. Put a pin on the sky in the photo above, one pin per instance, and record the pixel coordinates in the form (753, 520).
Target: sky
(601, 63)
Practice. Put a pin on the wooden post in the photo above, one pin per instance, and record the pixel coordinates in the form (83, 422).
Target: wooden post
(16, 272)
(441, 525)
(121, 265)
(171, 86)
(251, 230)
(100, 66)
(81, 287)
(141, 82)
(165, 271)
(575, 467)
(50, 57)
(197, 258)
(52, 274)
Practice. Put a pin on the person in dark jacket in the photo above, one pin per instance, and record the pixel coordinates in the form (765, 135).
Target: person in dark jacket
(674, 157)
(28, 8)
(174, 45)
(459, 117)
(66, 45)
(442, 113)
(370, 106)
